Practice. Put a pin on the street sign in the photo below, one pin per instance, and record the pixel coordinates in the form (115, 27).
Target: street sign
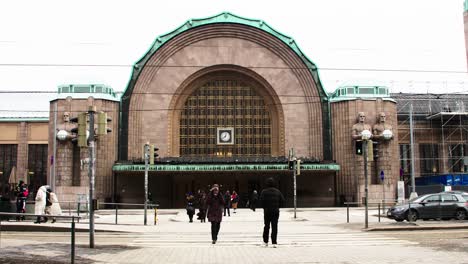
(382, 175)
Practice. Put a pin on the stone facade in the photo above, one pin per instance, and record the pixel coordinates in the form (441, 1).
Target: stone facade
(350, 179)
(69, 173)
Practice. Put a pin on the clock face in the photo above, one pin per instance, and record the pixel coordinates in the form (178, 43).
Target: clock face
(225, 136)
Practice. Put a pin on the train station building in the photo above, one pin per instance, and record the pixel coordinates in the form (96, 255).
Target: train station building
(226, 99)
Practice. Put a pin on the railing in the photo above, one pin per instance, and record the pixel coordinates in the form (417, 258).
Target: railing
(379, 205)
(75, 208)
(116, 207)
(52, 216)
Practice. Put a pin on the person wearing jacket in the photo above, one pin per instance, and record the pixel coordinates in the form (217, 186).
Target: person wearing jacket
(190, 206)
(40, 205)
(215, 204)
(271, 199)
(227, 205)
(22, 193)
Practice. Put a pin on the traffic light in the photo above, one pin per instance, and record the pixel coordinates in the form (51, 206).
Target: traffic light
(102, 121)
(80, 130)
(291, 164)
(358, 144)
(375, 149)
(153, 153)
(298, 167)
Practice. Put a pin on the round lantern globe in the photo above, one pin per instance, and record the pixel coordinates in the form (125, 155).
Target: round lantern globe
(387, 134)
(62, 135)
(366, 134)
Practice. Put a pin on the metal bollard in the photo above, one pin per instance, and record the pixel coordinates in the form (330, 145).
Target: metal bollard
(78, 211)
(155, 215)
(73, 240)
(379, 212)
(116, 213)
(347, 212)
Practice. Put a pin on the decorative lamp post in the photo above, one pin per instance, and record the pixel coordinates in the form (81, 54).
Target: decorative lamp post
(365, 136)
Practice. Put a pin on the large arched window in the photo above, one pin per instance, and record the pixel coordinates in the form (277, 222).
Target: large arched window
(225, 104)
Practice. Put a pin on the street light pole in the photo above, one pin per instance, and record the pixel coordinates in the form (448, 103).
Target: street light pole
(147, 150)
(91, 172)
(295, 188)
(366, 189)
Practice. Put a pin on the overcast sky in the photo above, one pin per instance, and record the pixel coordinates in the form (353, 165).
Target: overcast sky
(419, 43)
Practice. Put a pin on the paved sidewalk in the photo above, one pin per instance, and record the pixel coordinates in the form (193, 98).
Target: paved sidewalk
(317, 235)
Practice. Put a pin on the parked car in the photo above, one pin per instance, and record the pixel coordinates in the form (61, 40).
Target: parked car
(445, 205)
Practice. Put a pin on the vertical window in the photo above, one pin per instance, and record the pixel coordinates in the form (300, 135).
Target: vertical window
(8, 154)
(456, 152)
(405, 161)
(37, 166)
(76, 166)
(428, 156)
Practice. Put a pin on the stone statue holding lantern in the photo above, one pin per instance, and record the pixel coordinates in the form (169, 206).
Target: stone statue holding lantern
(381, 130)
(63, 130)
(360, 126)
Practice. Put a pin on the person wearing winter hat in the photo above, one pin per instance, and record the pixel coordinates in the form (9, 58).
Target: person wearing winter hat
(271, 199)
(215, 204)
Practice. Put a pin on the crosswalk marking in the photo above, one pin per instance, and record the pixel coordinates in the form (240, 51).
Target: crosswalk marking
(164, 240)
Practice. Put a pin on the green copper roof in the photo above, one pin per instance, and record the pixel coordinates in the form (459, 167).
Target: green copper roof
(360, 92)
(83, 91)
(227, 17)
(25, 119)
(465, 4)
(226, 167)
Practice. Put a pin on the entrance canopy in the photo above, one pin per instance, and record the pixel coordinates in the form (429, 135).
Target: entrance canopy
(224, 167)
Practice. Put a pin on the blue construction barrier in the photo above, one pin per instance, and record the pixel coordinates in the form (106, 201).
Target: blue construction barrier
(446, 179)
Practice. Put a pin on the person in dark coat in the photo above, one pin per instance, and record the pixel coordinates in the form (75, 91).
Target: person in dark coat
(202, 207)
(253, 200)
(227, 205)
(271, 200)
(22, 193)
(215, 204)
(190, 206)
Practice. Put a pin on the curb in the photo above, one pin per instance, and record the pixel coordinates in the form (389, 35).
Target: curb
(414, 228)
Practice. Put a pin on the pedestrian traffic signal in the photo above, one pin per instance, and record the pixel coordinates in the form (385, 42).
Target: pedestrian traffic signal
(102, 120)
(80, 130)
(358, 144)
(153, 153)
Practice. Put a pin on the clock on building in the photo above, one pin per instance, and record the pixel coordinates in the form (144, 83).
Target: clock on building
(225, 136)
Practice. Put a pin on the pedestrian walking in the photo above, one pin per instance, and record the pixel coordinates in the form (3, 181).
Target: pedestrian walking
(234, 201)
(190, 206)
(48, 207)
(21, 197)
(55, 208)
(202, 207)
(215, 204)
(271, 200)
(40, 205)
(227, 200)
(253, 200)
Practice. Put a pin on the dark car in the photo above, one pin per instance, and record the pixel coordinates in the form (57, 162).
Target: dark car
(445, 205)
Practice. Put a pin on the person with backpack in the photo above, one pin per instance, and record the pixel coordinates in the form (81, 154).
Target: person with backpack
(22, 193)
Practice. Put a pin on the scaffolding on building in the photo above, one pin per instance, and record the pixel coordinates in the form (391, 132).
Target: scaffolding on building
(440, 124)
